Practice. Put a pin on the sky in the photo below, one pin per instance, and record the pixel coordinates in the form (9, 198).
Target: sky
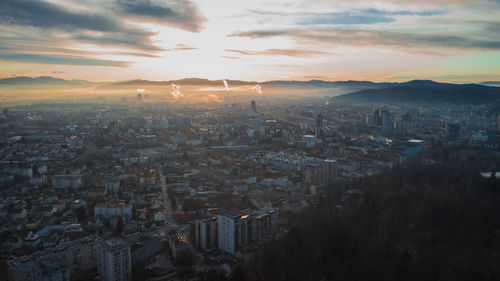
(258, 40)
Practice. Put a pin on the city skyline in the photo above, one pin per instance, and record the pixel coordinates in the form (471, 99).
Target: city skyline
(385, 40)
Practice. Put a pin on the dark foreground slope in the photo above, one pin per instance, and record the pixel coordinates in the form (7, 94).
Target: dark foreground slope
(413, 223)
(424, 92)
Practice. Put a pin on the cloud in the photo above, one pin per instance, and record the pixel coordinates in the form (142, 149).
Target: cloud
(404, 77)
(348, 17)
(262, 33)
(183, 47)
(182, 14)
(179, 13)
(43, 14)
(135, 54)
(345, 18)
(138, 39)
(365, 37)
(280, 52)
(472, 76)
(231, 57)
(63, 60)
(40, 30)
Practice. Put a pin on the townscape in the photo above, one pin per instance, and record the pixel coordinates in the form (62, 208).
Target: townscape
(170, 186)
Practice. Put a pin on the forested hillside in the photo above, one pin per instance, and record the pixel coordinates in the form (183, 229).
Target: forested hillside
(412, 223)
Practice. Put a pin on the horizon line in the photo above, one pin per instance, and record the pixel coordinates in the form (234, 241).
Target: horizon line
(402, 79)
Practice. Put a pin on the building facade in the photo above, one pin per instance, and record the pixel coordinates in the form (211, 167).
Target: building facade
(114, 260)
(66, 181)
(237, 230)
(57, 263)
(206, 233)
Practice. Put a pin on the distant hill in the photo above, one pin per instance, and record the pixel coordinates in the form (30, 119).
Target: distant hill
(197, 81)
(283, 83)
(185, 81)
(424, 92)
(416, 91)
(490, 83)
(327, 84)
(45, 80)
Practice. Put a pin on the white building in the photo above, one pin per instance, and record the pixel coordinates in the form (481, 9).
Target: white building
(159, 216)
(228, 227)
(66, 181)
(309, 140)
(114, 260)
(113, 186)
(110, 210)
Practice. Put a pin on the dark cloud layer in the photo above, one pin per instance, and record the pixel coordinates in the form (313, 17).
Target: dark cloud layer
(46, 15)
(181, 13)
(350, 17)
(359, 37)
(29, 27)
(64, 60)
(135, 40)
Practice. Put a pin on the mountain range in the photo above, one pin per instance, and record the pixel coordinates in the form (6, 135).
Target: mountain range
(353, 92)
(42, 80)
(424, 92)
(24, 80)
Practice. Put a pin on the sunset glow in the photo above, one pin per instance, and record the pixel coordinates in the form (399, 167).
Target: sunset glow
(384, 40)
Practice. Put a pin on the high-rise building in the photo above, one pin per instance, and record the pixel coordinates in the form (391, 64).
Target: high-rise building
(377, 117)
(319, 121)
(406, 125)
(387, 123)
(266, 222)
(205, 233)
(253, 106)
(321, 172)
(453, 131)
(319, 125)
(229, 232)
(236, 231)
(239, 229)
(114, 260)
